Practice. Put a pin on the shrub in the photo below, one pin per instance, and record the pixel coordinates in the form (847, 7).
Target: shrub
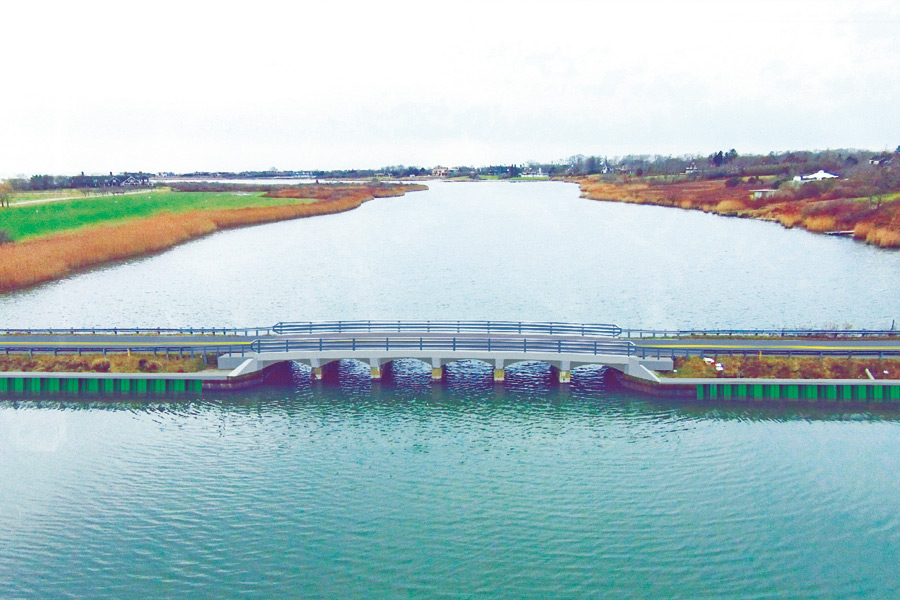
(808, 190)
(148, 366)
(4, 237)
(101, 365)
(732, 182)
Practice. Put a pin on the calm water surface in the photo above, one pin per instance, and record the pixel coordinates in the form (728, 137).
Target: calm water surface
(402, 489)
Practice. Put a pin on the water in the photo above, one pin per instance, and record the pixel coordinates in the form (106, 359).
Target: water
(382, 492)
(529, 251)
(404, 489)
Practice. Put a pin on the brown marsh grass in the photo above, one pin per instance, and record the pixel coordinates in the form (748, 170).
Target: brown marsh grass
(775, 367)
(876, 223)
(99, 363)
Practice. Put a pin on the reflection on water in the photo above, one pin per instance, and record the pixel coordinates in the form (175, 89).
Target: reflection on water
(401, 487)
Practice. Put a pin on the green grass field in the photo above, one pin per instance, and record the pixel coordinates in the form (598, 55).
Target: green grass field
(35, 220)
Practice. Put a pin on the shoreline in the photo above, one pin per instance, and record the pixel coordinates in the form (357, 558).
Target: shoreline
(877, 225)
(830, 392)
(40, 260)
(885, 394)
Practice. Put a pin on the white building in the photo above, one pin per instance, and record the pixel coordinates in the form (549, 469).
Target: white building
(816, 176)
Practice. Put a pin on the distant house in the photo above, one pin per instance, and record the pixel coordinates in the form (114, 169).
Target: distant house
(819, 176)
(762, 193)
(692, 170)
(440, 171)
(881, 160)
(531, 173)
(127, 180)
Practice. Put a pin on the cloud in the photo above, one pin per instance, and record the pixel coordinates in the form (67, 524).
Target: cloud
(178, 86)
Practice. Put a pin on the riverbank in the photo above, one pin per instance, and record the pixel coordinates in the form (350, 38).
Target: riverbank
(873, 220)
(779, 367)
(69, 239)
(102, 363)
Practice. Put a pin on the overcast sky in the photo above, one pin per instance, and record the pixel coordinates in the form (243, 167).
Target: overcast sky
(182, 86)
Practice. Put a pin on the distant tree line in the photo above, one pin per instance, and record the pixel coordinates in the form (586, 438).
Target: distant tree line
(724, 164)
(737, 168)
(58, 182)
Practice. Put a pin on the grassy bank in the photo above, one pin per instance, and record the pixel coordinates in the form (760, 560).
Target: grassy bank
(772, 367)
(98, 363)
(31, 221)
(54, 240)
(874, 220)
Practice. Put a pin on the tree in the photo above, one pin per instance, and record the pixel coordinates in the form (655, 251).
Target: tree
(5, 192)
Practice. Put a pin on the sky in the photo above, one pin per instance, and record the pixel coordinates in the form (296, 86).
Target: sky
(99, 86)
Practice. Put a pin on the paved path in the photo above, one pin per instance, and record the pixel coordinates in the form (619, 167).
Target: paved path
(82, 197)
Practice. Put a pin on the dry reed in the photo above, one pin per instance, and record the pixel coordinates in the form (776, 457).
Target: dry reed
(99, 363)
(820, 223)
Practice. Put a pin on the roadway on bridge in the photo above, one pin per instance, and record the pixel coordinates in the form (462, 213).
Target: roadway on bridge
(678, 346)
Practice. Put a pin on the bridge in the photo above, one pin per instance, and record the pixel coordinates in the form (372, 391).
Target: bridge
(244, 353)
(563, 346)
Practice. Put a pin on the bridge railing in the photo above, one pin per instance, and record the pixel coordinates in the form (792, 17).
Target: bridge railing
(455, 344)
(516, 327)
(802, 333)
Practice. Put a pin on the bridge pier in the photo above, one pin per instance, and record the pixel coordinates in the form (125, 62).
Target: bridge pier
(375, 368)
(565, 372)
(437, 370)
(316, 367)
(499, 371)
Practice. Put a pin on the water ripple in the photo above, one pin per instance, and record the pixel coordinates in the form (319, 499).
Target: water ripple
(398, 488)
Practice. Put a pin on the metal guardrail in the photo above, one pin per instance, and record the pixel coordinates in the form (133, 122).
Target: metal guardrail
(828, 333)
(524, 345)
(226, 331)
(517, 327)
(181, 350)
(461, 326)
(668, 352)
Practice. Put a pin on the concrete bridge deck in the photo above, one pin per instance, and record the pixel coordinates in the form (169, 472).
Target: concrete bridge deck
(563, 352)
